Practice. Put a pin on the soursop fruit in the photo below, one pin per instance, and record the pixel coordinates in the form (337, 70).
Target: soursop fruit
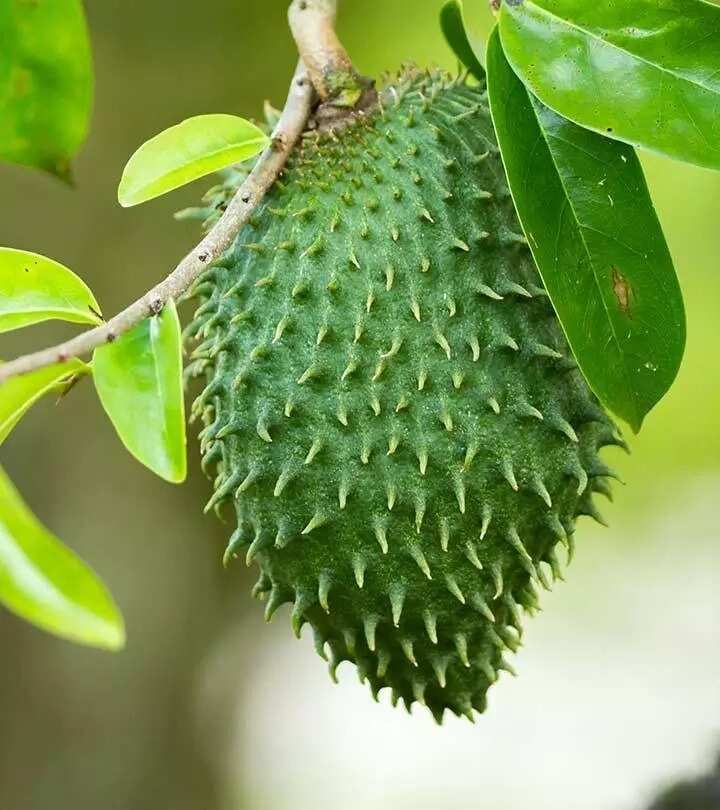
(391, 407)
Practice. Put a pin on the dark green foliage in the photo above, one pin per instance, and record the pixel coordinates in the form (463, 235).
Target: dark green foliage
(598, 245)
(391, 406)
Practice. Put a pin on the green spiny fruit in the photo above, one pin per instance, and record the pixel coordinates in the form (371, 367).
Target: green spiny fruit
(391, 405)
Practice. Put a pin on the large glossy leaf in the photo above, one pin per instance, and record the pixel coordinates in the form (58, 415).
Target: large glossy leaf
(452, 22)
(45, 82)
(194, 148)
(19, 394)
(139, 381)
(44, 582)
(34, 288)
(643, 71)
(592, 228)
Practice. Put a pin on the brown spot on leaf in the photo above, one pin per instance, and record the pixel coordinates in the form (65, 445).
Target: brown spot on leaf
(622, 291)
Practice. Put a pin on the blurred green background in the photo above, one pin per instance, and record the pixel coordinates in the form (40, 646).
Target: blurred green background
(208, 708)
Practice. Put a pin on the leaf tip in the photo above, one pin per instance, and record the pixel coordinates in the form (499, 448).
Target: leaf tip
(178, 476)
(124, 198)
(63, 171)
(115, 639)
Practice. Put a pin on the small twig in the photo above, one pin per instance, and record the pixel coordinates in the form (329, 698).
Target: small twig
(288, 131)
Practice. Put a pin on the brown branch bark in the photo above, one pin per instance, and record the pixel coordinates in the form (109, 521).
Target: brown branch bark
(324, 66)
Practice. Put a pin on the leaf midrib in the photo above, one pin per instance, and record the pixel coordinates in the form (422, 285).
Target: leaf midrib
(161, 390)
(157, 370)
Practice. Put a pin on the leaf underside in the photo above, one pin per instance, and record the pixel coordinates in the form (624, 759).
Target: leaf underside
(139, 380)
(19, 394)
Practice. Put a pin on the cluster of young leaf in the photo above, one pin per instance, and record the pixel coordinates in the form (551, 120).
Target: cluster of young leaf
(45, 93)
(573, 87)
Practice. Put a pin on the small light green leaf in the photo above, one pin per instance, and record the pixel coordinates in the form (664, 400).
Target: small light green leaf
(452, 22)
(194, 148)
(43, 582)
(46, 83)
(19, 394)
(645, 72)
(591, 225)
(34, 288)
(139, 380)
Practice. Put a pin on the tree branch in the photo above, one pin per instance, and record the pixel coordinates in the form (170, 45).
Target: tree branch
(286, 134)
(330, 72)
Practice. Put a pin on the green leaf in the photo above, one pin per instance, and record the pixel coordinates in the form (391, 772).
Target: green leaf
(452, 22)
(642, 71)
(139, 380)
(46, 83)
(19, 394)
(592, 228)
(34, 289)
(197, 147)
(43, 582)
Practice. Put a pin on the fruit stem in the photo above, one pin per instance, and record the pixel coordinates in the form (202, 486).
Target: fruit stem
(331, 70)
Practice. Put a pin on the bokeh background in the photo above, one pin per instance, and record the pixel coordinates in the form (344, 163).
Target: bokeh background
(209, 708)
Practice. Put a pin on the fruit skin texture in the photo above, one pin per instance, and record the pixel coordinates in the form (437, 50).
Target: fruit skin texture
(391, 406)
